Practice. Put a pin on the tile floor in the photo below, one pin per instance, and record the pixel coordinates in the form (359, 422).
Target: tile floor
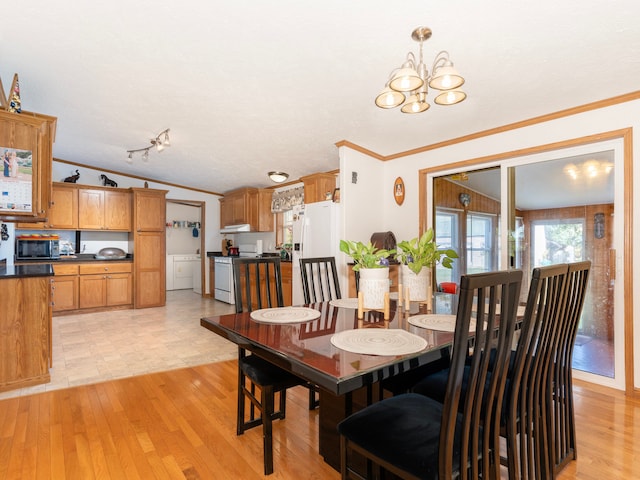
(93, 347)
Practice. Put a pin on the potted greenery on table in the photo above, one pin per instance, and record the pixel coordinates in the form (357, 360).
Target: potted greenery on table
(417, 257)
(372, 265)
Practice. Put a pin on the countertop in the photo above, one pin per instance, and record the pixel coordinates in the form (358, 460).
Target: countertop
(21, 271)
(78, 258)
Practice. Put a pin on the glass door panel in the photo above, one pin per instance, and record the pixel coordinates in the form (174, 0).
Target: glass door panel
(467, 212)
(567, 207)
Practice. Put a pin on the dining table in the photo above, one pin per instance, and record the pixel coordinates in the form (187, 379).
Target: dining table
(345, 356)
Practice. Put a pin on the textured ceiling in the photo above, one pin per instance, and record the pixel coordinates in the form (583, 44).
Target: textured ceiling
(249, 86)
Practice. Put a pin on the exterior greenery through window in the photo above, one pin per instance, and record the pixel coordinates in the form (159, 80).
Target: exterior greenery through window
(557, 241)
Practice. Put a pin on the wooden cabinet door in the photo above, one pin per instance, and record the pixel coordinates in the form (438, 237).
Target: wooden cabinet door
(287, 283)
(117, 210)
(90, 209)
(93, 291)
(64, 209)
(119, 290)
(317, 186)
(65, 293)
(226, 213)
(150, 263)
(238, 209)
(151, 211)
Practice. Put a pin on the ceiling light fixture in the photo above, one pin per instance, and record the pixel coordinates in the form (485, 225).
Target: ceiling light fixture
(408, 85)
(278, 177)
(159, 142)
(588, 169)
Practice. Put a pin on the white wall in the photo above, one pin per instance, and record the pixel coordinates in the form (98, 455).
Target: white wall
(404, 220)
(180, 239)
(7, 247)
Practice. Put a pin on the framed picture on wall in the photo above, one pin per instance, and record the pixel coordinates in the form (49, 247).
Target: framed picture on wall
(398, 191)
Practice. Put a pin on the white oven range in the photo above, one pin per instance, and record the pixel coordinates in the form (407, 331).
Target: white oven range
(223, 274)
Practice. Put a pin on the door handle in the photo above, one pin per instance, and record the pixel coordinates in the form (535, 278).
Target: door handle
(612, 264)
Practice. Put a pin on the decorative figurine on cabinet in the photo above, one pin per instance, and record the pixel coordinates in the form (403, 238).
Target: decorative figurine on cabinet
(72, 178)
(107, 182)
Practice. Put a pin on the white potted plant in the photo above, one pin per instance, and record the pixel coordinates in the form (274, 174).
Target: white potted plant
(417, 257)
(372, 265)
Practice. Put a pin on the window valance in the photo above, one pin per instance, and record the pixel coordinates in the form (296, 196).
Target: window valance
(287, 199)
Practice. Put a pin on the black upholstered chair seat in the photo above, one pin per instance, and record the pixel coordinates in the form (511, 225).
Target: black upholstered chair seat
(404, 431)
(262, 372)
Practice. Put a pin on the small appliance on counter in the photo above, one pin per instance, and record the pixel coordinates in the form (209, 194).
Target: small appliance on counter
(111, 253)
(37, 246)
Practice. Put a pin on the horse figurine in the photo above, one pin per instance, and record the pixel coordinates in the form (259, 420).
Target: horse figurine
(72, 178)
(107, 182)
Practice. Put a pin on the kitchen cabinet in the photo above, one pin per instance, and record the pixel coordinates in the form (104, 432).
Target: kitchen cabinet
(25, 323)
(105, 285)
(104, 209)
(65, 288)
(149, 244)
(287, 283)
(318, 187)
(34, 133)
(63, 212)
(247, 205)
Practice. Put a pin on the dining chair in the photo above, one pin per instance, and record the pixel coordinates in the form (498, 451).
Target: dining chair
(414, 436)
(526, 422)
(258, 284)
(563, 415)
(319, 279)
(319, 284)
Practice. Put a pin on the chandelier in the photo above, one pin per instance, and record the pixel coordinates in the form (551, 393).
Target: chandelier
(159, 143)
(408, 85)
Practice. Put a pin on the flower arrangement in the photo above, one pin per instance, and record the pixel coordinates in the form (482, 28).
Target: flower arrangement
(366, 255)
(423, 252)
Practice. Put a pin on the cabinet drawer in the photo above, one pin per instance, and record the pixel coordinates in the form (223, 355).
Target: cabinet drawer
(65, 269)
(94, 268)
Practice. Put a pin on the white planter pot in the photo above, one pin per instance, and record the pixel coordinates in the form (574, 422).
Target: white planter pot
(374, 283)
(418, 284)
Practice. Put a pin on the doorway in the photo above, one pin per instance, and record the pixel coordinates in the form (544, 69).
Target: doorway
(568, 216)
(185, 245)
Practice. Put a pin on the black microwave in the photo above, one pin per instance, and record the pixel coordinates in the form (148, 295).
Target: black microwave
(33, 247)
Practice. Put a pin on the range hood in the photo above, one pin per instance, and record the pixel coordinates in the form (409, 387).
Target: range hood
(244, 227)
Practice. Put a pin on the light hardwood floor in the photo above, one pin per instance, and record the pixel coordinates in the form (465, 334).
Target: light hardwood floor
(180, 424)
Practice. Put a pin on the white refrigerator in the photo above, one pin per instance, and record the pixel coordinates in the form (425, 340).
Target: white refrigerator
(316, 229)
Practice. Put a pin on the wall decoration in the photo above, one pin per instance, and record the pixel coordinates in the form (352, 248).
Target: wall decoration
(16, 180)
(107, 182)
(465, 199)
(398, 191)
(598, 225)
(72, 178)
(15, 104)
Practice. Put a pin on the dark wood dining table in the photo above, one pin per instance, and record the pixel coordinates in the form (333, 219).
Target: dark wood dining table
(347, 381)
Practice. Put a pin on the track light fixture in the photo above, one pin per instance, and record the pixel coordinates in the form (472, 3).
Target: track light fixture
(408, 85)
(159, 142)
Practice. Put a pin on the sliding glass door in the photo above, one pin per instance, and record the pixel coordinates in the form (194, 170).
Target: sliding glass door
(548, 208)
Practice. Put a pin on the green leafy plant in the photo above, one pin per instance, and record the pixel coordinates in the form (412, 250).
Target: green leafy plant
(365, 255)
(424, 252)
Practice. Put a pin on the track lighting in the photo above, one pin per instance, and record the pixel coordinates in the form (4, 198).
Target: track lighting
(159, 142)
